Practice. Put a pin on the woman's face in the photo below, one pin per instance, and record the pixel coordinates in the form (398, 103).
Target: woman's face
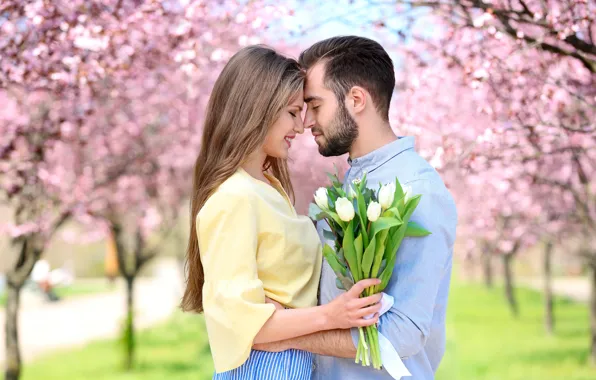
(283, 131)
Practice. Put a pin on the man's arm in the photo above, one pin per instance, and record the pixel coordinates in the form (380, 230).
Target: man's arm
(336, 343)
(420, 270)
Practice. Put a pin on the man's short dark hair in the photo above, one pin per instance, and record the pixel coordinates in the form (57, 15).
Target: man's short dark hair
(354, 61)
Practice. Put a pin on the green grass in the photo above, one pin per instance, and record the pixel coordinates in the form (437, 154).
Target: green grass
(484, 343)
(74, 290)
(177, 350)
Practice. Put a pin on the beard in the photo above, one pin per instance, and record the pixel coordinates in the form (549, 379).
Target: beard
(343, 132)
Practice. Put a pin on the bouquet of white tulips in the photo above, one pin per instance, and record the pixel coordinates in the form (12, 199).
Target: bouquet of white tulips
(367, 228)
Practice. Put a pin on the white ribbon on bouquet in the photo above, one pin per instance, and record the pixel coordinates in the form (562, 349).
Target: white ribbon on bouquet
(392, 363)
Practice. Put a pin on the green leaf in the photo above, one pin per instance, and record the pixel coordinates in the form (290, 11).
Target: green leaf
(379, 252)
(355, 204)
(333, 216)
(369, 195)
(345, 281)
(329, 235)
(383, 266)
(381, 224)
(367, 258)
(350, 251)
(399, 193)
(416, 230)
(331, 199)
(362, 184)
(339, 284)
(362, 215)
(394, 240)
(339, 191)
(411, 205)
(359, 250)
(395, 237)
(384, 277)
(341, 257)
(315, 213)
(334, 179)
(392, 212)
(333, 262)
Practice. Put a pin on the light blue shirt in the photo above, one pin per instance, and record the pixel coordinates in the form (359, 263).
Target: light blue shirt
(415, 325)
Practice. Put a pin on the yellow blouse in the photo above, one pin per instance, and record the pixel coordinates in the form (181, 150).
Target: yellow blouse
(253, 245)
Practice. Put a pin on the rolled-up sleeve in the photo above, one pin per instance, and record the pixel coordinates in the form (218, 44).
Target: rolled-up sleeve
(233, 295)
(421, 266)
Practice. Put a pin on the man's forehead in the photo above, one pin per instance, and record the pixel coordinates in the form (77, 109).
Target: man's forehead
(314, 83)
(316, 74)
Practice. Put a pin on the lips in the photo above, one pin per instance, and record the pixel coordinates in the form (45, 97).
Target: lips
(289, 140)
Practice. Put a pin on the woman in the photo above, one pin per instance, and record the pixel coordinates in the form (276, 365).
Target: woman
(247, 244)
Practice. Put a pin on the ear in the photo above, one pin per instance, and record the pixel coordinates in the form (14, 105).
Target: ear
(356, 99)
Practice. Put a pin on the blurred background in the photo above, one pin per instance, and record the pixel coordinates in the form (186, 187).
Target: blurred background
(102, 104)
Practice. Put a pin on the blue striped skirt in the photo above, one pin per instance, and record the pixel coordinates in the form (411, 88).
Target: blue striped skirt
(261, 365)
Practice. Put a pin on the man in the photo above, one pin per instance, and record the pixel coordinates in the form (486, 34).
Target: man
(348, 90)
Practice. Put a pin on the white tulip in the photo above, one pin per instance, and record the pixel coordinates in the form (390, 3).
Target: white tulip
(407, 193)
(344, 209)
(386, 195)
(351, 193)
(321, 198)
(374, 211)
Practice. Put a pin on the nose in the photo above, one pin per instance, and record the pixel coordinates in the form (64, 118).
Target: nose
(309, 119)
(299, 126)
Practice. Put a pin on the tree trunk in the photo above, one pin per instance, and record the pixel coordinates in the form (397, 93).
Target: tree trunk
(549, 317)
(13, 353)
(509, 288)
(487, 268)
(593, 314)
(129, 332)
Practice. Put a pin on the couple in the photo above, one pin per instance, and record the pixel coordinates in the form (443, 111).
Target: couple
(255, 267)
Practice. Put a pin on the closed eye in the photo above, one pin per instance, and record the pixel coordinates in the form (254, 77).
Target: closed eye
(293, 114)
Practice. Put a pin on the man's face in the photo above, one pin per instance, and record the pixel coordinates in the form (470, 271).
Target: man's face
(333, 128)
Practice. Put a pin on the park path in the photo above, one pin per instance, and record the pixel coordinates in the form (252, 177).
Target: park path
(574, 288)
(47, 327)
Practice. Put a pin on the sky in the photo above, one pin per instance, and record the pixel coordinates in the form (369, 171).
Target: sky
(313, 21)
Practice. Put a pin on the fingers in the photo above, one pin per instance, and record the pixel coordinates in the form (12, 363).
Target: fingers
(370, 300)
(374, 309)
(368, 322)
(359, 287)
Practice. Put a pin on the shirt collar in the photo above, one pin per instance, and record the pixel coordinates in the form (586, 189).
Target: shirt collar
(378, 157)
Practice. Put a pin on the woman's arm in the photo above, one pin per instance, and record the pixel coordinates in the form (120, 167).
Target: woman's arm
(344, 312)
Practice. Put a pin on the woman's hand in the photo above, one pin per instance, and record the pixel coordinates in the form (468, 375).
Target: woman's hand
(348, 310)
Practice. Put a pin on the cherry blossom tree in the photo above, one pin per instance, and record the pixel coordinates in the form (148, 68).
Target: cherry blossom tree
(103, 102)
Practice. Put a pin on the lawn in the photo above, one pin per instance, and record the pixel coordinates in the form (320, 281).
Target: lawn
(485, 343)
(74, 290)
(177, 350)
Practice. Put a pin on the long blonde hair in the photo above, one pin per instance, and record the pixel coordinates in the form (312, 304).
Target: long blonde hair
(248, 97)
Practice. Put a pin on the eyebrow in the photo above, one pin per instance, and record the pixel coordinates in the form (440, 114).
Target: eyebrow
(297, 106)
(311, 98)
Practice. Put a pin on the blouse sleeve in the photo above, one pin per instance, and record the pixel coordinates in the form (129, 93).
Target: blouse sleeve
(233, 296)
